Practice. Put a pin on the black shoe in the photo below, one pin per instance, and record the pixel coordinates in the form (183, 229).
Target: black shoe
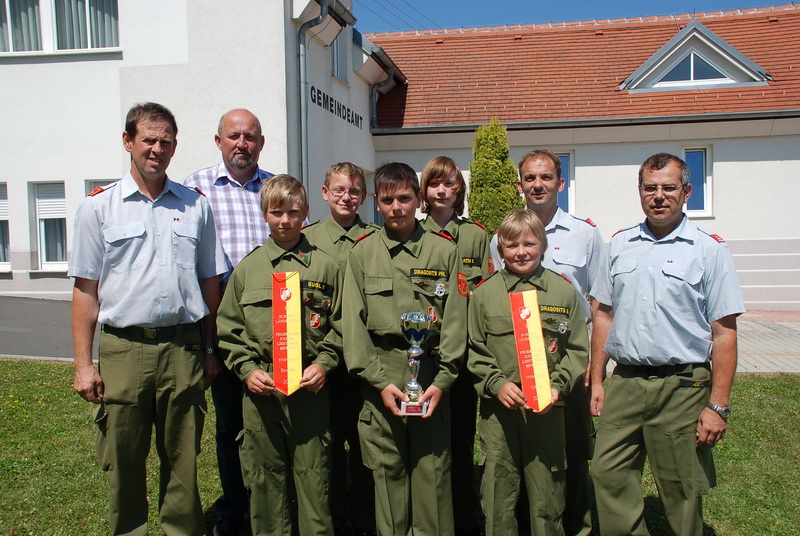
(228, 526)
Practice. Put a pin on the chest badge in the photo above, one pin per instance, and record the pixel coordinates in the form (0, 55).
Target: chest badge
(441, 289)
(563, 327)
(314, 320)
(552, 345)
(432, 312)
(325, 304)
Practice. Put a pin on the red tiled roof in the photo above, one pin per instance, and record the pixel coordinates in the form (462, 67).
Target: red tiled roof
(572, 71)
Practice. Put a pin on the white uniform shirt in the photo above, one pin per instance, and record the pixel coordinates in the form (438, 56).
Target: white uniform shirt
(576, 251)
(667, 292)
(147, 255)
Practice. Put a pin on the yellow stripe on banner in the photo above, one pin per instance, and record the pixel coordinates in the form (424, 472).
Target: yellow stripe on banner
(294, 340)
(541, 372)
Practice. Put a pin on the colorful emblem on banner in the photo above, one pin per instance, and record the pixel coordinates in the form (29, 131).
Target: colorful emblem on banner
(530, 349)
(287, 344)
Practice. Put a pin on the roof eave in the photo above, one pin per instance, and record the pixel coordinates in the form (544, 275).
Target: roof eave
(600, 122)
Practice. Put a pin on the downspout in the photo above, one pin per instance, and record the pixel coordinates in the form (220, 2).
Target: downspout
(373, 101)
(301, 40)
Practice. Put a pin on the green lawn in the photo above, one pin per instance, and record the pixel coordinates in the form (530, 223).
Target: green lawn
(51, 484)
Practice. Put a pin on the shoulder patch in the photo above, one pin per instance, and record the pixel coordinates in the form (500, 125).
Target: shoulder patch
(590, 222)
(362, 237)
(445, 234)
(480, 283)
(615, 234)
(717, 238)
(566, 278)
(479, 224)
(96, 191)
(199, 191)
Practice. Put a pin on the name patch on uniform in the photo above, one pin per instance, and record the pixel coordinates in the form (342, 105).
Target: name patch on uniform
(428, 272)
(556, 309)
(317, 285)
(193, 347)
(471, 261)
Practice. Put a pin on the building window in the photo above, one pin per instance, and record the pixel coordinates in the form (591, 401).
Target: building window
(693, 69)
(29, 25)
(566, 174)
(51, 214)
(339, 56)
(5, 253)
(698, 160)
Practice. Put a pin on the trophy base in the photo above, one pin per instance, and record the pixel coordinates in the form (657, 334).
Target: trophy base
(413, 409)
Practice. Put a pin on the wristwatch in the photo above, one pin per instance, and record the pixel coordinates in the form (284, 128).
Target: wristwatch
(210, 350)
(723, 412)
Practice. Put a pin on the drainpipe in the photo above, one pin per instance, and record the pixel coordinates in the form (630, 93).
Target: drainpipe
(301, 39)
(373, 101)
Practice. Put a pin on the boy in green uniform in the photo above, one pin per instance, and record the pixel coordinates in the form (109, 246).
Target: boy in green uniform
(399, 269)
(345, 190)
(443, 192)
(284, 435)
(516, 442)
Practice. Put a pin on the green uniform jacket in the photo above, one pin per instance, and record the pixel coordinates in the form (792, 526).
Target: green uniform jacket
(473, 246)
(386, 278)
(244, 318)
(334, 240)
(492, 350)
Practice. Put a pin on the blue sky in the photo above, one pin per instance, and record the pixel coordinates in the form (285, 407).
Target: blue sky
(394, 15)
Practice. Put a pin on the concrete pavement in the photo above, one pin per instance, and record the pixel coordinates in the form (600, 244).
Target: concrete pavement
(769, 341)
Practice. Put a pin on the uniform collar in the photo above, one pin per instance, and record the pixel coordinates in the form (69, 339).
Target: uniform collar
(413, 245)
(685, 231)
(258, 177)
(301, 252)
(450, 228)
(560, 219)
(515, 283)
(337, 232)
(128, 188)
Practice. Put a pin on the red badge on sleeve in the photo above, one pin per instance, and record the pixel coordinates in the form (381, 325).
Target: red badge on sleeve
(462, 284)
(491, 266)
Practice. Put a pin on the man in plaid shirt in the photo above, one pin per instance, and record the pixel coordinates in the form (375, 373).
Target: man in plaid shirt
(233, 189)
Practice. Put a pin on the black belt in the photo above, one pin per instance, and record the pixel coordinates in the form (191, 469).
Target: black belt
(138, 333)
(661, 371)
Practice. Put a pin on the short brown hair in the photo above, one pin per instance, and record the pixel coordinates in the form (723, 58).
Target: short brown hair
(348, 169)
(395, 175)
(660, 161)
(541, 154)
(443, 167)
(281, 188)
(148, 111)
(518, 222)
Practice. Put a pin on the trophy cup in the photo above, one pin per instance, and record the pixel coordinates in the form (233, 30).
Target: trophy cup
(416, 328)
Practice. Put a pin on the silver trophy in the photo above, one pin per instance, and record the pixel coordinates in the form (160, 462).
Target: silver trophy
(416, 328)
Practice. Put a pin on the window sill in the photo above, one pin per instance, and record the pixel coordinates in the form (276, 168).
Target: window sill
(33, 54)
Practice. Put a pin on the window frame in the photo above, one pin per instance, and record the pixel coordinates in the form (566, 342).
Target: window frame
(568, 194)
(55, 210)
(339, 63)
(707, 181)
(5, 230)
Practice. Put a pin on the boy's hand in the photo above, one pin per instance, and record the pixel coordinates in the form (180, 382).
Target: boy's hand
(313, 378)
(432, 395)
(390, 395)
(260, 383)
(511, 396)
(553, 399)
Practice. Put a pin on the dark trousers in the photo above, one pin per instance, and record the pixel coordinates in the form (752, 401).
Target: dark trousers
(226, 391)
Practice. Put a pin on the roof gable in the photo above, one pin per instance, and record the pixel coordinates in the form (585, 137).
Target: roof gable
(716, 55)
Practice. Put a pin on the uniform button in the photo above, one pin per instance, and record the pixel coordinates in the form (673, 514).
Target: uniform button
(162, 263)
(649, 268)
(644, 298)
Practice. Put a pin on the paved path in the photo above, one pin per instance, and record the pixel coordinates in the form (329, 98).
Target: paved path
(769, 341)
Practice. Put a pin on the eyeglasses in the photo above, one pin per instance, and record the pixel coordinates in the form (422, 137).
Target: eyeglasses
(339, 192)
(667, 189)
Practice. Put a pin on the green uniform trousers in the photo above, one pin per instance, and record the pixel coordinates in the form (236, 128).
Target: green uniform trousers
(519, 445)
(410, 462)
(652, 412)
(463, 411)
(286, 436)
(152, 382)
(579, 446)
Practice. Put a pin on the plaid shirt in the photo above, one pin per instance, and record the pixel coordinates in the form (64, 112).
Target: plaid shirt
(237, 211)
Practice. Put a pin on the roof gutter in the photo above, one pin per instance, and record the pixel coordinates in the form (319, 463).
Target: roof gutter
(594, 123)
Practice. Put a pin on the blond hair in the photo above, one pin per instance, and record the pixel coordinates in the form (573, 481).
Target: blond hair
(281, 188)
(518, 222)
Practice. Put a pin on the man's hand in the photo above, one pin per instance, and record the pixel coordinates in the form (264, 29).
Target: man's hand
(390, 395)
(260, 383)
(313, 378)
(553, 399)
(598, 398)
(710, 427)
(511, 396)
(432, 395)
(212, 366)
(89, 384)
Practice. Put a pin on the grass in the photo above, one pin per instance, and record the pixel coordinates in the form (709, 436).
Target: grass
(51, 484)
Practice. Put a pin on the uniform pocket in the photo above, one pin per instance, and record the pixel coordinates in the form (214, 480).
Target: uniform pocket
(120, 368)
(257, 309)
(623, 278)
(184, 245)
(681, 286)
(124, 243)
(370, 449)
(380, 303)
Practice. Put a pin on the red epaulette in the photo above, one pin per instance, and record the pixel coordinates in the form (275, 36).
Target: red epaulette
(199, 191)
(566, 278)
(590, 222)
(96, 191)
(479, 224)
(445, 234)
(615, 234)
(480, 283)
(717, 238)
(362, 237)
